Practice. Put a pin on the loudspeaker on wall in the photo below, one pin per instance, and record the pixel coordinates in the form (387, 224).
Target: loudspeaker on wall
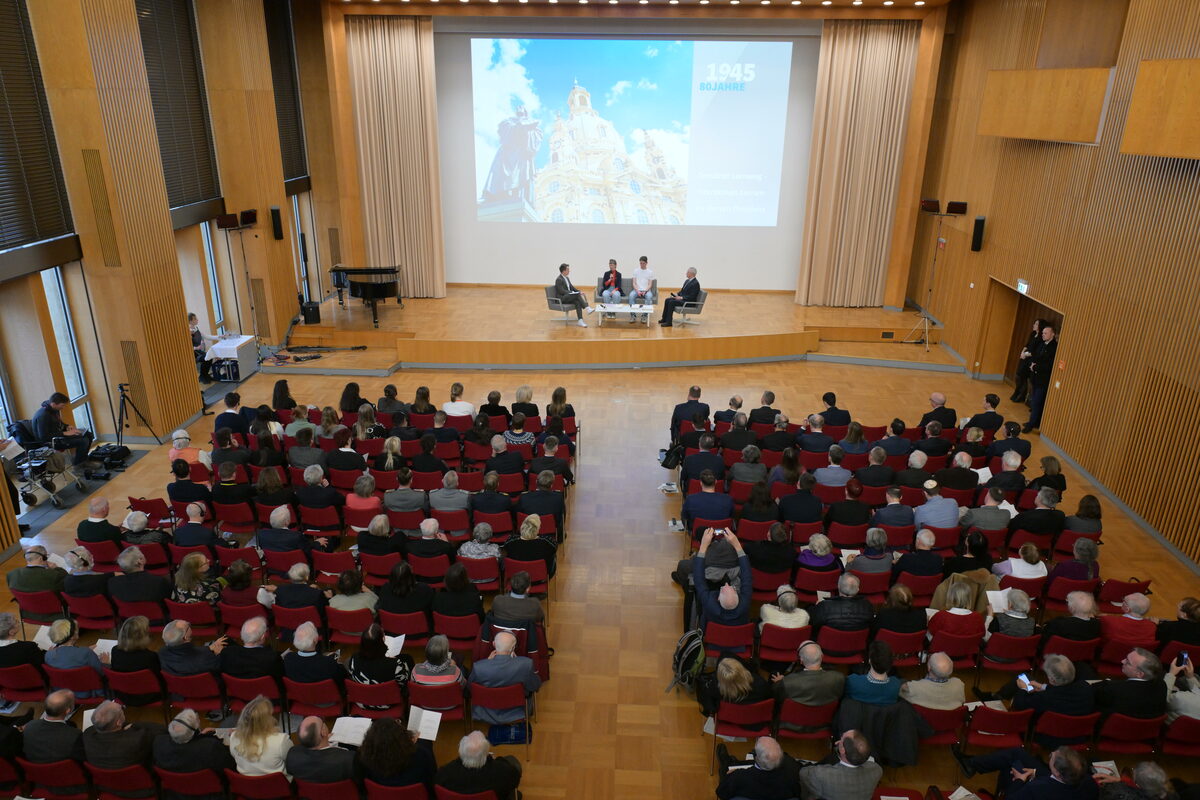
(977, 235)
(276, 222)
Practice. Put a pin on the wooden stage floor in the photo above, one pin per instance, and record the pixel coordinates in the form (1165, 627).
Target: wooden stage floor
(510, 327)
(605, 730)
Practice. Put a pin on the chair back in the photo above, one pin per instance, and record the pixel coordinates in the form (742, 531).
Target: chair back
(414, 625)
(50, 776)
(906, 647)
(963, 649)
(45, 603)
(1182, 737)
(539, 576)
(842, 647)
(150, 609)
(313, 790)
(449, 521)
(446, 698)
(899, 536)
(321, 519)
(945, 540)
(1071, 648)
(764, 584)
(922, 586)
(745, 720)
(998, 729)
(80, 680)
(375, 700)
(1031, 586)
(430, 569)
(317, 699)
(234, 617)
(497, 698)
(1120, 733)
(200, 782)
(816, 720)
(377, 791)
(292, 618)
(376, 569)
(462, 631)
(201, 692)
(202, 616)
(946, 724)
(484, 573)
(873, 585)
(1010, 653)
(116, 783)
(810, 581)
(329, 566)
(720, 638)
(803, 531)
(258, 787)
(501, 522)
(94, 612)
(405, 520)
(426, 481)
(346, 627)
(385, 480)
(1066, 728)
(236, 517)
(343, 479)
(1114, 591)
(241, 691)
(442, 793)
(852, 537)
(777, 643)
(129, 685)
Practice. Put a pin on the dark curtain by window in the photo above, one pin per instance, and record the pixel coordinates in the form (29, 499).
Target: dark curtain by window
(287, 91)
(33, 197)
(172, 53)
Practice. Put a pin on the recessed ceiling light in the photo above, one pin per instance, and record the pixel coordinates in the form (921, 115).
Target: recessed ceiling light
(826, 2)
(703, 2)
(734, 2)
(795, 2)
(673, 2)
(765, 2)
(857, 2)
(887, 2)
(583, 2)
(919, 3)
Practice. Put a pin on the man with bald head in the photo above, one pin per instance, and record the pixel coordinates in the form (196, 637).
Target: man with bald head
(253, 658)
(315, 759)
(771, 774)
(504, 668)
(476, 770)
(97, 528)
(187, 747)
(729, 605)
(1131, 625)
(114, 743)
(938, 412)
(811, 685)
(727, 415)
(53, 737)
(939, 688)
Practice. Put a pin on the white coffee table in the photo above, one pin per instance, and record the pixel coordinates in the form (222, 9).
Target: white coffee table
(623, 308)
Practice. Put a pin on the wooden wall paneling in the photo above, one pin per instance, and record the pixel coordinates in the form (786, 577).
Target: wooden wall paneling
(1164, 112)
(95, 78)
(1081, 33)
(193, 272)
(317, 105)
(241, 102)
(100, 392)
(10, 532)
(916, 144)
(1058, 105)
(1107, 239)
(27, 344)
(1000, 308)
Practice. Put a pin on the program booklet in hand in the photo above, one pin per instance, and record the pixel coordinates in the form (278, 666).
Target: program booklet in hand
(998, 601)
(104, 646)
(424, 723)
(349, 730)
(395, 645)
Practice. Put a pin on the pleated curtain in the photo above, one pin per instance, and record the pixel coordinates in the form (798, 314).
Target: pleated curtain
(395, 120)
(864, 84)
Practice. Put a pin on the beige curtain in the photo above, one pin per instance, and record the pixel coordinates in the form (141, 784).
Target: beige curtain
(395, 120)
(864, 83)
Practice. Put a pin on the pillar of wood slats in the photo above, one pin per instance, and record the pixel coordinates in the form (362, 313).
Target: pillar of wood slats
(95, 78)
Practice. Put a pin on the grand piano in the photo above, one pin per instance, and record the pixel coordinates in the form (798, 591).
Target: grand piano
(371, 285)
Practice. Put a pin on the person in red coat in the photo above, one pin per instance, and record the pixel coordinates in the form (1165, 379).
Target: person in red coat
(1131, 626)
(959, 619)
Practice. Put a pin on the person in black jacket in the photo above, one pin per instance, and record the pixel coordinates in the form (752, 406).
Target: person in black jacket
(183, 489)
(459, 597)
(426, 461)
(15, 652)
(775, 554)
(544, 501)
(315, 759)
(136, 585)
(846, 611)
(1043, 518)
(48, 426)
(933, 444)
(299, 593)
(1142, 694)
(938, 412)
(801, 505)
(850, 511)
(404, 594)
(549, 460)
(306, 665)
(688, 293)
(1039, 376)
(253, 658)
(476, 770)
(185, 747)
(503, 460)
(1020, 386)
(987, 419)
(876, 473)
(113, 743)
(316, 491)
(280, 538)
(53, 737)
(83, 581)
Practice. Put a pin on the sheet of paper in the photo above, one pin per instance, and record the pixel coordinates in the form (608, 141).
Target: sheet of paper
(395, 645)
(710, 726)
(55, 560)
(962, 793)
(425, 722)
(265, 598)
(224, 733)
(349, 730)
(1106, 768)
(823, 595)
(87, 718)
(849, 554)
(104, 646)
(998, 601)
(42, 637)
(929, 612)
(985, 475)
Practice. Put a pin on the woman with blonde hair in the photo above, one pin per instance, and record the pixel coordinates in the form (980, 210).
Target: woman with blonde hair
(193, 583)
(257, 744)
(528, 546)
(736, 683)
(1051, 476)
(524, 402)
(366, 427)
(132, 653)
(331, 423)
(972, 443)
(66, 654)
(390, 459)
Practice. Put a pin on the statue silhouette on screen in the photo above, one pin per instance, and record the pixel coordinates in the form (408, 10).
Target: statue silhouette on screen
(511, 175)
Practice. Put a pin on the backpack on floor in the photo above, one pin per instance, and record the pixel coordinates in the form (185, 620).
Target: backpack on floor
(673, 457)
(688, 660)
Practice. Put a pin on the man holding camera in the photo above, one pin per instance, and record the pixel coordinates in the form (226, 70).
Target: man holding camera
(730, 604)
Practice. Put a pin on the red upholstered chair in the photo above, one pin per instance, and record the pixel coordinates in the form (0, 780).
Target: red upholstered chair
(462, 631)
(748, 721)
(142, 685)
(149, 609)
(847, 537)
(808, 582)
(236, 517)
(780, 644)
(327, 519)
(47, 604)
(376, 569)
(240, 691)
(94, 612)
(429, 569)
(201, 692)
(1059, 588)
(750, 531)
(202, 617)
(1113, 592)
(278, 562)
(818, 720)
(1009, 653)
(945, 540)
(1071, 648)
(766, 583)
(200, 782)
(318, 699)
(81, 680)
(900, 536)
(385, 480)
(448, 699)
(53, 779)
(415, 626)
(1019, 537)
(328, 566)
(427, 481)
(803, 531)
(414, 791)
(997, 729)
(1064, 545)
(1066, 729)
(1120, 733)
(114, 784)
(346, 627)
(719, 639)
(312, 790)
(156, 509)
(406, 520)
(906, 647)
(922, 587)
(964, 650)
(258, 787)
(234, 617)
(484, 573)
(842, 647)
(829, 494)
(946, 724)
(292, 618)
(375, 700)
(228, 555)
(873, 585)
(502, 523)
(442, 793)
(503, 698)
(964, 497)
(1182, 738)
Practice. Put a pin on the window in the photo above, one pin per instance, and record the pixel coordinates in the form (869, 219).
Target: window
(642, 217)
(281, 49)
(635, 187)
(597, 215)
(214, 286)
(300, 253)
(64, 333)
(5, 412)
(619, 164)
(556, 215)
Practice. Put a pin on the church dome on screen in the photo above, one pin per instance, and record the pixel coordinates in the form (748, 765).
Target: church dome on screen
(592, 177)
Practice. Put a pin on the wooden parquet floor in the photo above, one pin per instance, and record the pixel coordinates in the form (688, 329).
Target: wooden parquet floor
(605, 728)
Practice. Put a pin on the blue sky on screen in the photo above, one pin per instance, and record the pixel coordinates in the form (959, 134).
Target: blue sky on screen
(637, 84)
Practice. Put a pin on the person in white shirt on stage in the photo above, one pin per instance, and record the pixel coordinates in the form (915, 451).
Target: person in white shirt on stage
(569, 295)
(640, 285)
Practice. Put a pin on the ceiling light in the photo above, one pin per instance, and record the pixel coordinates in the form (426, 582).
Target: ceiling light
(919, 3)
(795, 2)
(887, 2)
(734, 2)
(765, 2)
(673, 2)
(703, 2)
(857, 3)
(826, 2)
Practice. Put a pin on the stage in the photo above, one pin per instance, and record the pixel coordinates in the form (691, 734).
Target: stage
(506, 327)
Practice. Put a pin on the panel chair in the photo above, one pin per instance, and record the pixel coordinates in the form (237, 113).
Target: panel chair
(746, 721)
(691, 309)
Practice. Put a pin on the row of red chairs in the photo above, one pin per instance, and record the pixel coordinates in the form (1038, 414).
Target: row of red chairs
(460, 422)
(59, 779)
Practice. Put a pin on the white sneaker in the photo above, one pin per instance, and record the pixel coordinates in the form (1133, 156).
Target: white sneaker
(582, 324)
(591, 310)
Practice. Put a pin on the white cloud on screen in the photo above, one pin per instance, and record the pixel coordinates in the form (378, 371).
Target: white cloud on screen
(651, 51)
(499, 78)
(646, 84)
(614, 94)
(672, 143)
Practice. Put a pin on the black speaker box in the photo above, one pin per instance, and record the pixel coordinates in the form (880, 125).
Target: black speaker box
(977, 235)
(276, 222)
(249, 218)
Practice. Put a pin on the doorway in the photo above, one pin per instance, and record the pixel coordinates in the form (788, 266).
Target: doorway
(1027, 311)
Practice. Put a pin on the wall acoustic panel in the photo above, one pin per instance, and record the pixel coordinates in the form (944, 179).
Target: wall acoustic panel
(1164, 112)
(1056, 105)
(93, 165)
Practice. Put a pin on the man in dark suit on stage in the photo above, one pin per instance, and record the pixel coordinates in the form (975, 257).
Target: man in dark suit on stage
(686, 410)
(569, 295)
(939, 412)
(688, 293)
(987, 419)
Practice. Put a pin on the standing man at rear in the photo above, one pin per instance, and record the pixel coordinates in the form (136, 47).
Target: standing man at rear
(688, 293)
(569, 295)
(640, 285)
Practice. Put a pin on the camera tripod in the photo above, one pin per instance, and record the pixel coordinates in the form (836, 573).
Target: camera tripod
(123, 415)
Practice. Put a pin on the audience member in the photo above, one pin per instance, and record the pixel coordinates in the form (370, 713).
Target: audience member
(517, 605)
(257, 744)
(939, 688)
(959, 474)
(922, 560)
(937, 511)
(504, 668)
(305, 664)
(113, 743)
(1142, 694)
(37, 576)
(850, 511)
(915, 476)
(403, 593)
(458, 597)
(801, 505)
(707, 503)
(253, 658)
(1086, 518)
(53, 737)
(853, 777)
(818, 555)
(1080, 624)
(877, 686)
(845, 611)
(834, 474)
(503, 460)
(775, 555)
(132, 653)
(764, 414)
(1132, 624)
(728, 605)
(812, 684)
(186, 747)
(391, 755)
(933, 444)
(314, 758)
(180, 657)
(1020, 776)
(1026, 565)
(15, 652)
(785, 613)
(875, 557)
(438, 668)
(727, 415)
(183, 489)
(351, 594)
(1015, 620)
(476, 770)
(987, 419)
(898, 613)
(895, 514)
(97, 528)
(876, 473)
(946, 417)
(227, 490)
(815, 440)
(770, 775)
(894, 442)
(988, 517)
(959, 617)
(193, 583)
(1011, 441)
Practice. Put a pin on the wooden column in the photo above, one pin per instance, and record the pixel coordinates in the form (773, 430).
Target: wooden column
(916, 143)
(27, 345)
(241, 104)
(95, 78)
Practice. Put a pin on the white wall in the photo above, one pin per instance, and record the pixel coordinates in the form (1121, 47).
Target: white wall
(529, 253)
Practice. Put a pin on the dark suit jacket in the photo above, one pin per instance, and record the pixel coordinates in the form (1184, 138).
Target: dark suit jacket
(312, 668)
(706, 505)
(696, 463)
(497, 775)
(319, 496)
(188, 659)
(725, 415)
(800, 506)
(1142, 699)
(232, 493)
(849, 512)
(188, 492)
(1075, 699)
(282, 540)
(251, 662)
(506, 463)
(897, 515)
(944, 415)
(776, 440)
(1045, 787)
(764, 415)
(690, 290)
(299, 595)
(428, 548)
(123, 748)
(691, 439)
(987, 420)
(616, 277)
(559, 466)
(52, 741)
(738, 438)
(491, 502)
(191, 534)
(139, 586)
(760, 784)
(320, 766)
(103, 531)
(957, 478)
(815, 442)
(542, 503)
(876, 475)
(894, 445)
(1039, 520)
(919, 562)
(1068, 627)
(1007, 481)
(342, 459)
(204, 751)
(1001, 446)
(232, 420)
(683, 413)
(1042, 363)
(563, 286)
(914, 478)
(836, 416)
(934, 447)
